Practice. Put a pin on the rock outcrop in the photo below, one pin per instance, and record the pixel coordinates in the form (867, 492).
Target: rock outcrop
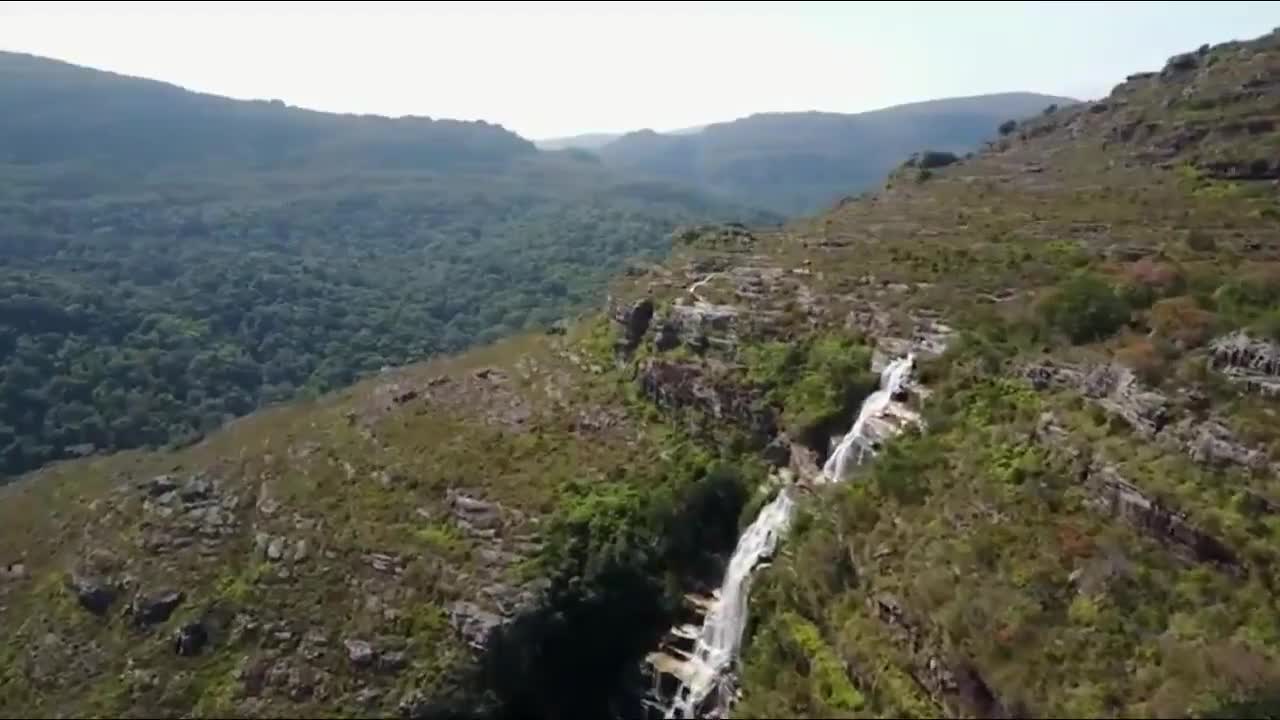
(699, 326)
(634, 321)
(1212, 443)
(1207, 441)
(1250, 361)
(678, 386)
(1115, 495)
(180, 513)
(1109, 492)
(955, 685)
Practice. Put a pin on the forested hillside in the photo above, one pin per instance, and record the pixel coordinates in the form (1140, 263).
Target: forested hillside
(169, 260)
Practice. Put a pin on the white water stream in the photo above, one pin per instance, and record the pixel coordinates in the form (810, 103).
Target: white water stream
(709, 669)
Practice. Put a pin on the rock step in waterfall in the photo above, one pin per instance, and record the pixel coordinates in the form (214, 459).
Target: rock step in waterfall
(693, 671)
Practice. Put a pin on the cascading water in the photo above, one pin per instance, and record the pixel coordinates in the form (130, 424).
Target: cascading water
(722, 630)
(707, 672)
(855, 445)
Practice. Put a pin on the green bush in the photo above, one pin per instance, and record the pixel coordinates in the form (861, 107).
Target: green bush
(1253, 291)
(1085, 308)
(1269, 324)
(815, 382)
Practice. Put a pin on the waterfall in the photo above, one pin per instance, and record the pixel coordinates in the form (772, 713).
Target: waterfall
(722, 630)
(855, 446)
(708, 669)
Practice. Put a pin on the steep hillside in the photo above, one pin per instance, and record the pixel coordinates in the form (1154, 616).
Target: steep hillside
(803, 162)
(1074, 515)
(169, 260)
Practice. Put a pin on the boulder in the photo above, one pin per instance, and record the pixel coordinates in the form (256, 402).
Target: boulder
(159, 485)
(474, 622)
(190, 639)
(474, 514)
(154, 608)
(360, 653)
(275, 549)
(392, 662)
(13, 571)
(196, 489)
(95, 593)
(1049, 375)
(778, 452)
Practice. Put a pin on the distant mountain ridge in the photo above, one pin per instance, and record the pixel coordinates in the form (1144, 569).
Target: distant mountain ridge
(146, 125)
(801, 162)
(595, 141)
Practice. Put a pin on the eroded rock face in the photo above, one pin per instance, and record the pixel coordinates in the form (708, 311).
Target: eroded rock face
(678, 386)
(953, 684)
(1207, 441)
(1111, 493)
(634, 320)
(1212, 443)
(1118, 390)
(1250, 361)
(1113, 387)
(1114, 494)
(700, 326)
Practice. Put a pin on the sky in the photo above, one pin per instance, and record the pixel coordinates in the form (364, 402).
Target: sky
(553, 69)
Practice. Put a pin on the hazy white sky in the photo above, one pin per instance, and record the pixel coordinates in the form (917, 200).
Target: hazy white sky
(550, 69)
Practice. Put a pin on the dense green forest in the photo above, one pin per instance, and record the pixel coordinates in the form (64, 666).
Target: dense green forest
(169, 260)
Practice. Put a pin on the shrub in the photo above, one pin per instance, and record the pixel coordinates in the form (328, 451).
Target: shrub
(1144, 359)
(1201, 241)
(1269, 324)
(816, 382)
(1182, 321)
(936, 159)
(1148, 280)
(1008, 126)
(1085, 308)
(1253, 290)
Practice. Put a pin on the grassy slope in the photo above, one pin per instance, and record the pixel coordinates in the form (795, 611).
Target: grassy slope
(979, 533)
